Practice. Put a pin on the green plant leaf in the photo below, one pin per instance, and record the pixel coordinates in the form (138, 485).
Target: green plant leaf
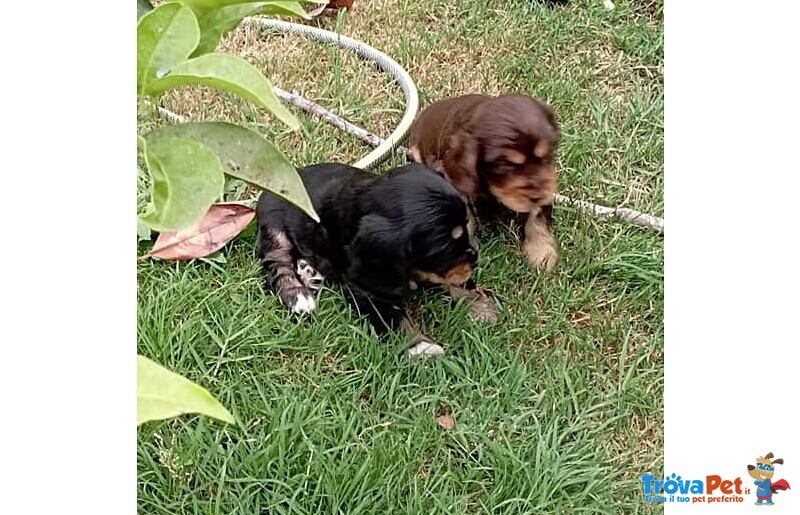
(216, 22)
(162, 394)
(143, 7)
(165, 36)
(229, 73)
(285, 8)
(204, 6)
(187, 178)
(245, 155)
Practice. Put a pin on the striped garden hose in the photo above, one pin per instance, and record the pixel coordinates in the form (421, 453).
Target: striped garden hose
(386, 63)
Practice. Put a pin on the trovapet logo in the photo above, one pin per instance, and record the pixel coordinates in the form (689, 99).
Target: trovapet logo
(715, 488)
(762, 472)
(673, 488)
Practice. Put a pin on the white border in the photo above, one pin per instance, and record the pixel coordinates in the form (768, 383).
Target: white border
(732, 179)
(68, 332)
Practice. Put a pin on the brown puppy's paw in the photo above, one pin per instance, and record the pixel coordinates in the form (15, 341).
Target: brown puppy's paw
(539, 245)
(543, 256)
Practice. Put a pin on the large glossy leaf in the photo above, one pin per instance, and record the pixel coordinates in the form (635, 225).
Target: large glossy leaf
(165, 36)
(187, 178)
(246, 155)
(216, 22)
(229, 73)
(162, 394)
(222, 223)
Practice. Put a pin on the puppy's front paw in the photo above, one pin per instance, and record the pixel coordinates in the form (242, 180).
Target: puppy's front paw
(425, 348)
(300, 300)
(482, 309)
(481, 305)
(309, 275)
(543, 256)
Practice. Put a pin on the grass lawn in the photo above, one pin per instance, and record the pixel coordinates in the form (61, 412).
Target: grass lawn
(558, 407)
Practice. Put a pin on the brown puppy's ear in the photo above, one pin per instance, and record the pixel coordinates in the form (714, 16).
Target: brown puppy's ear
(779, 461)
(542, 148)
(548, 111)
(768, 456)
(461, 163)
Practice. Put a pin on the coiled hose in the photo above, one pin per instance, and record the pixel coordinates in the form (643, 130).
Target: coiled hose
(386, 63)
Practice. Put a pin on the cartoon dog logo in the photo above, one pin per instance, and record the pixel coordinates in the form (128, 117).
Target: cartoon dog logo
(762, 472)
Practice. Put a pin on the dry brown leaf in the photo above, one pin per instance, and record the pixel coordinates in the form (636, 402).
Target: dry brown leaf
(446, 421)
(221, 224)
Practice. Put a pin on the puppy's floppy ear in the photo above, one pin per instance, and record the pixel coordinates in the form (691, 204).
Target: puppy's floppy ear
(549, 113)
(461, 163)
(378, 257)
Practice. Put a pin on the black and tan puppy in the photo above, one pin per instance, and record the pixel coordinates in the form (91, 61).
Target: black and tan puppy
(377, 235)
(498, 152)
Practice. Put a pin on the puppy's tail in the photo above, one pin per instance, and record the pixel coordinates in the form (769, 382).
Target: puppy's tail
(278, 267)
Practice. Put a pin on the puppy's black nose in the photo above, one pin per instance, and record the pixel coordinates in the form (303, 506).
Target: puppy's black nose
(472, 255)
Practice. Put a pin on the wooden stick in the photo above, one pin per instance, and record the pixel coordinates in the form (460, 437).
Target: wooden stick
(307, 105)
(630, 215)
(334, 119)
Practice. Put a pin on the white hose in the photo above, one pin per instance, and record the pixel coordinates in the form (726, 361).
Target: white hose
(385, 62)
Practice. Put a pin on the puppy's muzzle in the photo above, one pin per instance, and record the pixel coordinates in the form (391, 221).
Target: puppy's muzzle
(457, 275)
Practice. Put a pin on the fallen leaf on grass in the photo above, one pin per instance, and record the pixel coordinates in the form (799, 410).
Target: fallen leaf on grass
(222, 223)
(446, 421)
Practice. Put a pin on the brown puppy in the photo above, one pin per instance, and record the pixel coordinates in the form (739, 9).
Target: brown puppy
(497, 151)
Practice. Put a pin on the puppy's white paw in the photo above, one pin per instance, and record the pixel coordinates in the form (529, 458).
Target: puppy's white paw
(425, 348)
(309, 275)
(303, 304)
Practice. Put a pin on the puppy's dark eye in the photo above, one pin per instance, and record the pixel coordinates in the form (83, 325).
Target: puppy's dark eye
(500, 167)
